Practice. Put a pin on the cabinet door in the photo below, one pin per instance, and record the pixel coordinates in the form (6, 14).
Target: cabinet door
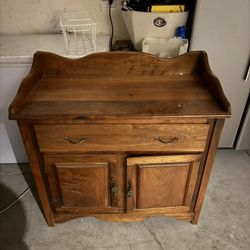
(161, 183)
(83, 183)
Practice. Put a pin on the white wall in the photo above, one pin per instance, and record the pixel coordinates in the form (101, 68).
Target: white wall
(222, 29)
(42, 16)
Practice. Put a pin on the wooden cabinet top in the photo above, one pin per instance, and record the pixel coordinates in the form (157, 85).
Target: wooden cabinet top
(115, 84)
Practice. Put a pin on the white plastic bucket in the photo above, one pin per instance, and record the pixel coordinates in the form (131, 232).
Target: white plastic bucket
(143, 24)
(165, 47)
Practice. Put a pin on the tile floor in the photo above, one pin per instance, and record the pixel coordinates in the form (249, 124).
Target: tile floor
(224, 221)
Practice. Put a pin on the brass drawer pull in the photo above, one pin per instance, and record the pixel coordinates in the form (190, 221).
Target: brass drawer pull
(75, 141)
(130, 189)
(163, 141)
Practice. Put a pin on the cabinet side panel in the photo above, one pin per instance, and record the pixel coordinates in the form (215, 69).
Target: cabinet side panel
(207, 169)
(28, 136)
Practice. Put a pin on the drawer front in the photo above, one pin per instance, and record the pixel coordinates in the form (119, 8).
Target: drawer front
(113, 138)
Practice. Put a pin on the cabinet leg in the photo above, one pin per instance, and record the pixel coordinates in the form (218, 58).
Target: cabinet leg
(38, 175)
(195, 218)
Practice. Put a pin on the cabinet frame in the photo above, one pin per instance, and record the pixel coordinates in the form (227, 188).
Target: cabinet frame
(39, 172)
(172, 108)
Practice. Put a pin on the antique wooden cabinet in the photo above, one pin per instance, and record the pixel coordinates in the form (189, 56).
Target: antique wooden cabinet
(120, 135)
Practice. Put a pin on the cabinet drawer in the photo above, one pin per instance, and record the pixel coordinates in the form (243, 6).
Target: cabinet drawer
(103, 137)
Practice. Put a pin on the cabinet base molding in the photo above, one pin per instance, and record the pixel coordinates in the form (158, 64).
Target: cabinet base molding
(60, 218)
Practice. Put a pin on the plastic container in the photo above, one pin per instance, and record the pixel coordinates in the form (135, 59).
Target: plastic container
(181, 32)
(148, 24)
(165, 47)
(79, 32)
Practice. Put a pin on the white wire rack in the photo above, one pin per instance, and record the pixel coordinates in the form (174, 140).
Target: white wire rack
(79, 32)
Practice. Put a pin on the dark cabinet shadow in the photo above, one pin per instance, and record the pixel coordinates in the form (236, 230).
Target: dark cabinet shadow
(12, 222)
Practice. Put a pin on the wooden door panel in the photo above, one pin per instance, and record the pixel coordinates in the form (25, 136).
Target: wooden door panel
(84, 182)
(83, 185)
(162, 182)
(161, 185)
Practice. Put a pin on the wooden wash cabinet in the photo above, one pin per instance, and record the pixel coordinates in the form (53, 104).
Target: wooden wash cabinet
(120, 136)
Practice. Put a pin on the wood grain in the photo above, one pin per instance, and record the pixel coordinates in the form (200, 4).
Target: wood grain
(190, 138)
(162, 159)
(120, 120)
(186, 87)
(29, 82)
(162, 182)
(207, 170)
(213, 83)
(83, 181)
(131, 217)
(112, 109)
(120, 136)
(84, 185)
(161, 186)
(35, 161)
(118, 63)
(122, 83)
(191, 182)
